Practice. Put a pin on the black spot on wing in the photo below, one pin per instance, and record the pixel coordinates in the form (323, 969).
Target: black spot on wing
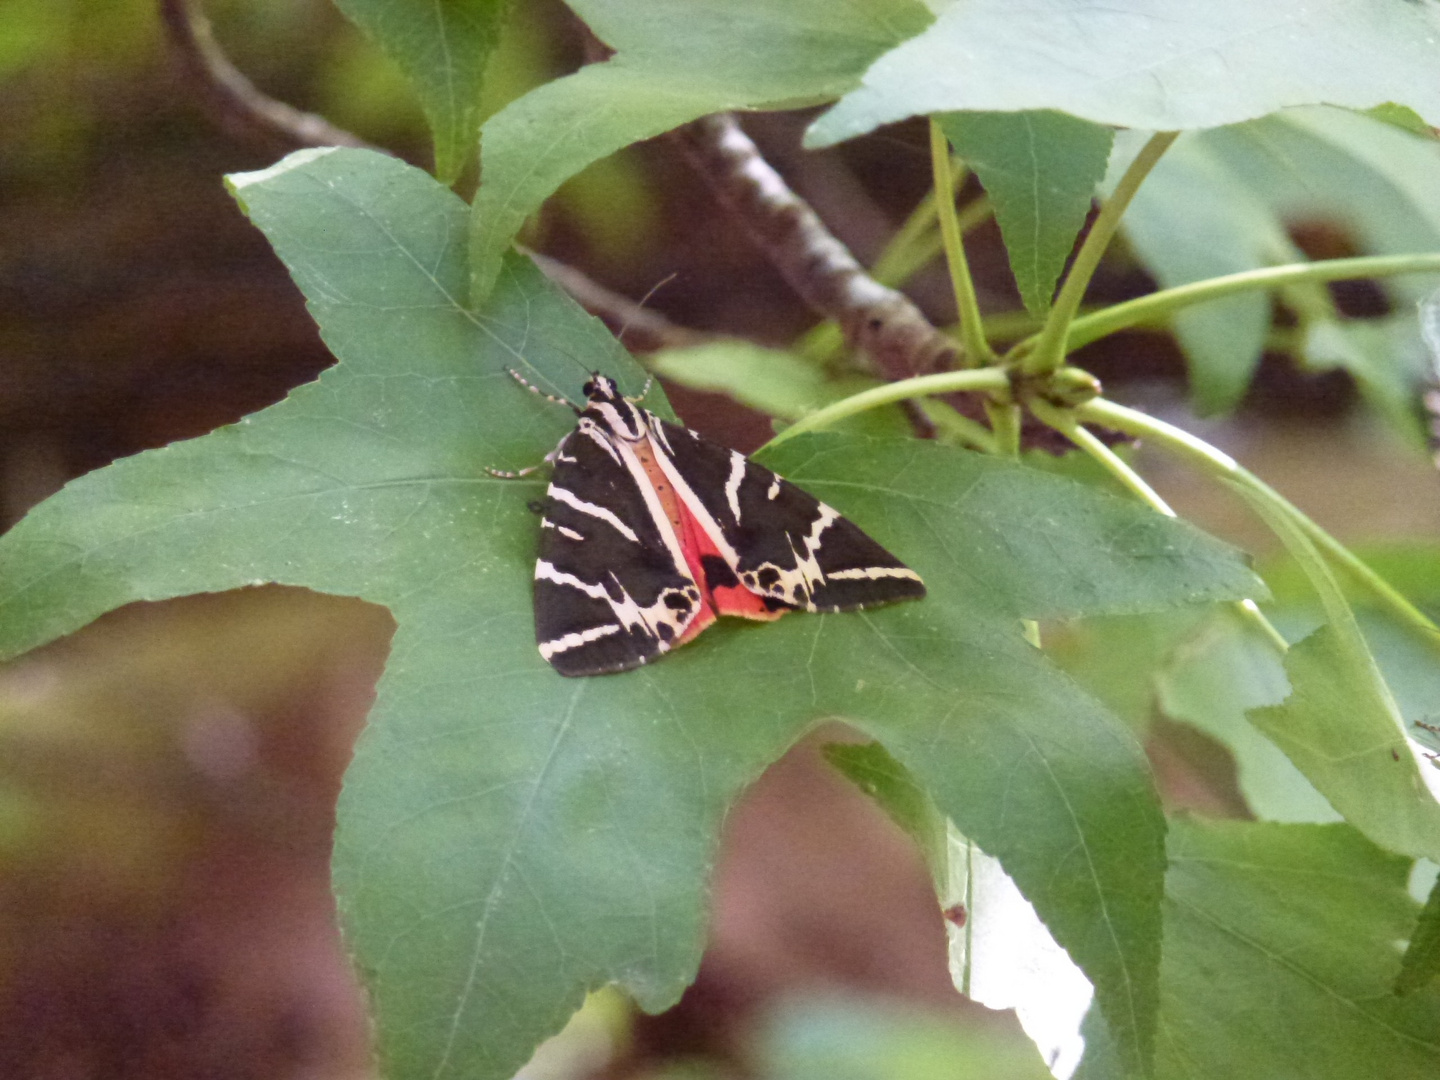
(718, 574)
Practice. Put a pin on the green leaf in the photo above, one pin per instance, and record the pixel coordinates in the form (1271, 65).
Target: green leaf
(1343, 166)
(1279, 955)
(442, 46)
(1387, 359)
(508, 838)
(1162, 65)
(1217, 203)
(848, 1039)
(1341, 726)
(1225, 669)
(1406, 119)
(1118, 659)
(1040, 170)
(674, 60)
(1194, 219)
(1421, 962)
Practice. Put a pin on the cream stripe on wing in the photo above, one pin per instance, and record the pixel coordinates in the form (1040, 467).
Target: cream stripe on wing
(732, 485)
(608, 516)
(873, 572)
(574, 641)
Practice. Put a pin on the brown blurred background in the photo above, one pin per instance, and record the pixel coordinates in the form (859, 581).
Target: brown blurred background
(168, 775)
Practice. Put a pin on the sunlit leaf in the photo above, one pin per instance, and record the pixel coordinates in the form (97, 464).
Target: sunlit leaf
(1001, 954)
(1161, 65)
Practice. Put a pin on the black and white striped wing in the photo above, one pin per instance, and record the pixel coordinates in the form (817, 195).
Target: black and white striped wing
(786, 544)
(609, 593)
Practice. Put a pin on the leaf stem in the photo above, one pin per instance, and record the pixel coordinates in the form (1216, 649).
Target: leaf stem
(917, 229)
(951, 425)
(1064, 421)
(943, 382)
(1156, 306)
(1005, 422)
(1218, 463)
(972, 330)
(1050, 349)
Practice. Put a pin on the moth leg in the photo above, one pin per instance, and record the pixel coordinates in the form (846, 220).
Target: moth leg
(541, 393)
(520, 474)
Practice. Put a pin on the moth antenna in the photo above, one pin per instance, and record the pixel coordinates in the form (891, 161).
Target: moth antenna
(536, 390)
(644, 390)
(629, 318)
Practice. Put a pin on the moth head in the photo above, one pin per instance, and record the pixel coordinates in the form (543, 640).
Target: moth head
(610, 408)
(601, 388)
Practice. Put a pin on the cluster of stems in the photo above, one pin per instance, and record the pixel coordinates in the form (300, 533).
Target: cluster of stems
(1031, 375)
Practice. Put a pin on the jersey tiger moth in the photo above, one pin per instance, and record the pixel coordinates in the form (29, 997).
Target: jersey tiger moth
(649, 532)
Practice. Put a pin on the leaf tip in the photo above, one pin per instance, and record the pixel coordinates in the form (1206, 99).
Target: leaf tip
(240, 180)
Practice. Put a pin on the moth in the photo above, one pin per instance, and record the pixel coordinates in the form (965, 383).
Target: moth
(649, 532)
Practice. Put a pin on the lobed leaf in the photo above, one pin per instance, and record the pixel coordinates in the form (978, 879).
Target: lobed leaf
(1279, 953)
(1341, 725)
(1161, 65)
(508, 838)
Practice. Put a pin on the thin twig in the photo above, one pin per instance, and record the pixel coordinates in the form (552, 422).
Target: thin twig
(643, 329)
(878, 321)
(236, 104)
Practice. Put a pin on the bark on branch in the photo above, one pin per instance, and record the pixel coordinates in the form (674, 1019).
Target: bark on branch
(880, 322)
(236, 105)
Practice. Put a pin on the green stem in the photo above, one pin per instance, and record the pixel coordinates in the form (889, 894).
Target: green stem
(972, 331)
(897, 268)
(943, 382)
(917, 229)
(1050, 349)
(1064, 422)
(951, 426)
(1005, 422)
(1157, 306)
(1217, 462)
